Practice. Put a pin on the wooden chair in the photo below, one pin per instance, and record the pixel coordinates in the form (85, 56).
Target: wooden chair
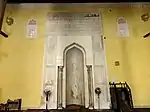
(14, 104)
(3, 107)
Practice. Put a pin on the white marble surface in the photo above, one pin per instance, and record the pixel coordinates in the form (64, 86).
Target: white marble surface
(84, 34)
(67, 46)
(75, 76)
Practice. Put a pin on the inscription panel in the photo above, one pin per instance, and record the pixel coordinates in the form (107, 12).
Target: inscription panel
(72, 24)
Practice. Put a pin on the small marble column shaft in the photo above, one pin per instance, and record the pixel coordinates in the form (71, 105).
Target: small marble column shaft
(59, 94)
(90, 85)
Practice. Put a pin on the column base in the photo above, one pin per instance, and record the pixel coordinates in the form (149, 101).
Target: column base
(60, 106)
(91, 106)
(46, 111)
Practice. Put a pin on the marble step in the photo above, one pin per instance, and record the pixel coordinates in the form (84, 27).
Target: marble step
(81, 110)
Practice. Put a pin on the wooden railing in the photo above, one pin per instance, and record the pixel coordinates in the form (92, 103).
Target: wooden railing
(121, 97)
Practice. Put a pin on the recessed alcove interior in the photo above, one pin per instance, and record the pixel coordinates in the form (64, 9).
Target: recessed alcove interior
(84, 58)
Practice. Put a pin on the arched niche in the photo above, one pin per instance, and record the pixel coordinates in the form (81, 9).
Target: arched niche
(70, 47)
(75, 54)
(122, 25)
(32, 28)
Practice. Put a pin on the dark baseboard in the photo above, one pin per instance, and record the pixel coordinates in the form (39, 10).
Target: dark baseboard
(141, 109)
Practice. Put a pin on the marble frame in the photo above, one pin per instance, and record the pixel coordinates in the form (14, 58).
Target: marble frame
(85, 74)
(78, 34)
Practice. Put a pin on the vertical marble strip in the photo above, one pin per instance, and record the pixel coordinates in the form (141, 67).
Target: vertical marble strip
(102, 42)
(60, 73)
(90, 84)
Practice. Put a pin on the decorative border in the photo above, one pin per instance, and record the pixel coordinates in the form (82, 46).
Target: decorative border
(78, 5)
(141, 107)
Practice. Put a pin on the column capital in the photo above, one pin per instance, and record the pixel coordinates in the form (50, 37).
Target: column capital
(60, 68)
(89, 67)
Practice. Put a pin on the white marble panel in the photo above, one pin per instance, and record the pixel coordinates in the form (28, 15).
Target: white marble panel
(50, 76)
(104, 102)
(99, 74)
(51, 50)
(96, 41)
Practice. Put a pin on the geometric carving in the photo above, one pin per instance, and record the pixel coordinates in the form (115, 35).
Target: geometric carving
(72, 24)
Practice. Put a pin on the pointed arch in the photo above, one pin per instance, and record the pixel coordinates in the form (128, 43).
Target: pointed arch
(122, 25)
(71, 46)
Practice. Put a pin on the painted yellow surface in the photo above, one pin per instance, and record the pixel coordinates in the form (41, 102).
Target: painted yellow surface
(132, 52)
(21, 58)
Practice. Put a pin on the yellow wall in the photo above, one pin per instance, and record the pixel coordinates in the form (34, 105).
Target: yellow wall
(132, 52)
(21, 58)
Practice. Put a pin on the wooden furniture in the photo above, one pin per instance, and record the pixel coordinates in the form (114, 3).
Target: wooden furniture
(13, 104)
(3, 107)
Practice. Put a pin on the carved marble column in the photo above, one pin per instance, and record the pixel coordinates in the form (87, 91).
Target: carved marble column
(90, 85)
(59, 87)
